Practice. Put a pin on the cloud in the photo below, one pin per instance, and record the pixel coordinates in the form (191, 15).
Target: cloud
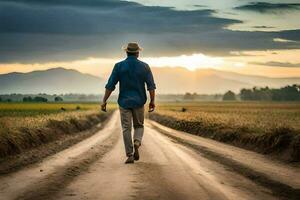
(62, 30)
(105, 17)
(293, 35)
(200, 6)
(277, 64)
(264, 7)
(74, 3)
(283, 40)
(263, 27)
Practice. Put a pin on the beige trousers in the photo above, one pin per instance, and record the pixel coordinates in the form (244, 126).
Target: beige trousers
(129, 117)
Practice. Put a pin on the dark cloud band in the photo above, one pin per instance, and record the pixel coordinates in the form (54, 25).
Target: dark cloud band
(264, 7)
(41, 31)
(277, 64)
(74, 3)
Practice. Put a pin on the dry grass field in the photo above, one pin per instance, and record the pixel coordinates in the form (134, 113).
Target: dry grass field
(261, 126)
(27, 125)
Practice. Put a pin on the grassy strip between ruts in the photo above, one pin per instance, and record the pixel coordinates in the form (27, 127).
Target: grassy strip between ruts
(21, 133)
(253, 126)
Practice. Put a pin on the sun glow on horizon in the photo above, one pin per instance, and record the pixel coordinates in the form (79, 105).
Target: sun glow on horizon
(90, 65)
(244, 62)
(191, 62)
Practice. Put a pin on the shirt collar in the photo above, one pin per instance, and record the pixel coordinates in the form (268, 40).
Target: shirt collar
(131, 57)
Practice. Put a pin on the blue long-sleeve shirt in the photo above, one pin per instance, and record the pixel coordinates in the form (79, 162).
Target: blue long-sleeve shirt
(132, 75)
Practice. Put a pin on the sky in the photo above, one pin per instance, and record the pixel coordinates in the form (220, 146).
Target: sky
(249, 37)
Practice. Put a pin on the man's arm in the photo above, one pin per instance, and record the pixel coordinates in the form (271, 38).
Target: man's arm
(110, 87)
(152, 100)
(105, 97)
(151, 88)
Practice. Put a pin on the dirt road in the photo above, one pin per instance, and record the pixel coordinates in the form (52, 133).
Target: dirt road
(173, 165)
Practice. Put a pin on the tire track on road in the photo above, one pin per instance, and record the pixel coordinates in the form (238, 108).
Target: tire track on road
(52, 184)
(278, 189)
(56, 171)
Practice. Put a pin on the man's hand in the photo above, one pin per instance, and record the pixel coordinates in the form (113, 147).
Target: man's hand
(103, 106)
(106, 95)
(151, 106)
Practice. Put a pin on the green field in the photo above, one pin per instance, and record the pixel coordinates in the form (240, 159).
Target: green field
(261, 126)
(33, 109)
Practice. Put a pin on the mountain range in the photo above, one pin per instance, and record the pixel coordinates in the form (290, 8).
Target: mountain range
(168, 81)
(211, 81)
(51, 81)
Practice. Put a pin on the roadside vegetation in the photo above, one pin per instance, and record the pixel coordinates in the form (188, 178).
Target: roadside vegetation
(27, 125)
(266, 127)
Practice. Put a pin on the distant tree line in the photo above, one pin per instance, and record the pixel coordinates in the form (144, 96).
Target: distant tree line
(5, 100)
(97, 98)
(53, 97)
(35, 99)
(229, 96)
(57, 99)
(40, 99)
(287, 93)
(200, 97)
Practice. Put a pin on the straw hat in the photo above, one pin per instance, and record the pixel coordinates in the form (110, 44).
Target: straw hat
(132, 47)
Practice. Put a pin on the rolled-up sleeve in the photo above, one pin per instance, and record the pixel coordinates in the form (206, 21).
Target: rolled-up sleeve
(113, 79)
(149, 79)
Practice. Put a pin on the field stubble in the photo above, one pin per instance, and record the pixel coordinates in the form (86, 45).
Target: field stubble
(24, 126)
(270, 128)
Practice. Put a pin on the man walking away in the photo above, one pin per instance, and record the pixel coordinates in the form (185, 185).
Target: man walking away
(132, 75)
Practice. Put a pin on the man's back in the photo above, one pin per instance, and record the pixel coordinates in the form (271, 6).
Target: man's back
(132, 74)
